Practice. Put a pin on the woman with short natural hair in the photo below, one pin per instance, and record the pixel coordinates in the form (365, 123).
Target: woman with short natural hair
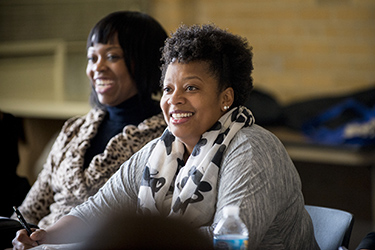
(211, 155)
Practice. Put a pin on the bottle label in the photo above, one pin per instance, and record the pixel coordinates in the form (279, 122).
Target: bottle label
(230, 242)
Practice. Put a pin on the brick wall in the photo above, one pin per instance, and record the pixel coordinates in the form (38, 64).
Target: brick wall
(302, 48)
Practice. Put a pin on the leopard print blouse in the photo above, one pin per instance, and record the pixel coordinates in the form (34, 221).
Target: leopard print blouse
(63, 183)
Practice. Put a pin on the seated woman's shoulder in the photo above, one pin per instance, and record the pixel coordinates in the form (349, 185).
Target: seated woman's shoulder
(256, 132)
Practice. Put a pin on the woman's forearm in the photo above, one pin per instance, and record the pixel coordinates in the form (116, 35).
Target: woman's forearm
(68, 229)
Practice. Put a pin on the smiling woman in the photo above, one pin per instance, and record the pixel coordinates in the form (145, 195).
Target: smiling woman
(108, 73)
(211, 155)
(123, 52)
(192, 102)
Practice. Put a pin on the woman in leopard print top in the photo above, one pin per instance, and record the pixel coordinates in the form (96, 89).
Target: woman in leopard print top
(123, 65)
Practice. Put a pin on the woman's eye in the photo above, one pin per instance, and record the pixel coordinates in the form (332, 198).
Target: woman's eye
(191, 88)
(91, 58)
(113, 57)
(166, 89)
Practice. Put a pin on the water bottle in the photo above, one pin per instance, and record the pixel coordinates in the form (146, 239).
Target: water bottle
(231, 233)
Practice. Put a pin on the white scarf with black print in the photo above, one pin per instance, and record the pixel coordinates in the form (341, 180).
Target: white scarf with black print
(170, 188)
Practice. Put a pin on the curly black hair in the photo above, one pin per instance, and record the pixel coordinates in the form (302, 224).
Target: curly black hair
(229, 56)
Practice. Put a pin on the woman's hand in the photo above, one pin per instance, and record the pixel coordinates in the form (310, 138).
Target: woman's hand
(68, 229)
(23, 241)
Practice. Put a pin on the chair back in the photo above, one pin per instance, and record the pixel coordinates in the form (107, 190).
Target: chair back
(332, 227)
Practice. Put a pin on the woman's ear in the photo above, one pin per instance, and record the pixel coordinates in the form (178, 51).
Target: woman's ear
(227, 98)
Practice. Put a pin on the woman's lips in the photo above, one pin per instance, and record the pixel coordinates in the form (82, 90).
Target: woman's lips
(180, 117)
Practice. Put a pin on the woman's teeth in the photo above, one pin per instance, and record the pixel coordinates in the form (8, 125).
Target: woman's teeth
(181, 115)
(102, 83)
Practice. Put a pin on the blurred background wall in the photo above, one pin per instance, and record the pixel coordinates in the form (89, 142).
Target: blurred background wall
(302, 48)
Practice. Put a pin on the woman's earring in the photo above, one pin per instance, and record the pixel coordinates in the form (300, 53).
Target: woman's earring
(226, 107)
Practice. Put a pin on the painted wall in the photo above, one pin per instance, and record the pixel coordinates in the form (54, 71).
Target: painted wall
(302, 48)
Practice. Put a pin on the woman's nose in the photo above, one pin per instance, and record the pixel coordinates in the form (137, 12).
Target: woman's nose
(176, 98)
(100, 65)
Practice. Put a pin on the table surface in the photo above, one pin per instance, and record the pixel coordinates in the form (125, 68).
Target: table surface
(299, 148)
